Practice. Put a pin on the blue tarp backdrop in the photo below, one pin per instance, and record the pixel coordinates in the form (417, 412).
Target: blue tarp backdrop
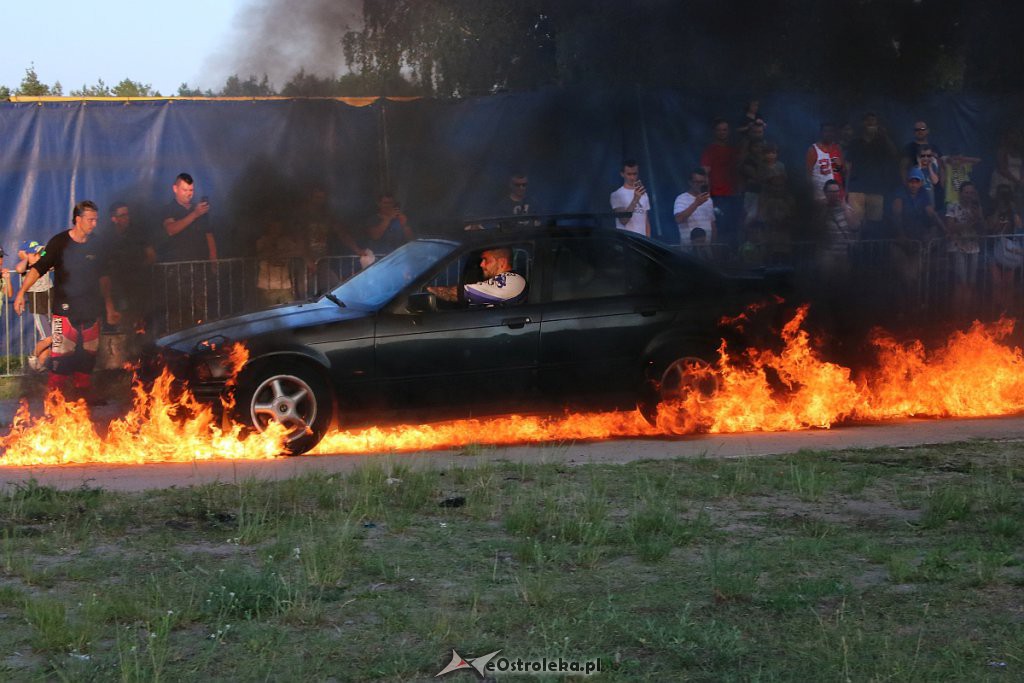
(442, 159)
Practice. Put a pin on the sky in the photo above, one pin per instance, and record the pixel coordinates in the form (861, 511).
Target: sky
(162, 44)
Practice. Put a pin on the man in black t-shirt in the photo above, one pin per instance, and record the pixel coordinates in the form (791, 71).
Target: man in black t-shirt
(188, 238)
(515, 203)
(123, 244)
(81, 294)
(873, 167)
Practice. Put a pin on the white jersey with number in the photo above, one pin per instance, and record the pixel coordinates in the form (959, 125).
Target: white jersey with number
(822, 171)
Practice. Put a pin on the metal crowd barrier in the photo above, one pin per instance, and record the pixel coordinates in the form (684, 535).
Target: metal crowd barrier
(192, 292)
(976, 278)
(185, 293)
(938, 279)
(19, 334)
(944, 279)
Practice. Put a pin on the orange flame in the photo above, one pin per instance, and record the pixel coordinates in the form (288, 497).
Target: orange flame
(510, 429)
(975, 373)
(159, 427)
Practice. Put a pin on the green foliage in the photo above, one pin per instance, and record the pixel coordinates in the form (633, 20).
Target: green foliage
(946, 504)
(251, 87)
(241, 592)
(446, 48)
(800, 567)
(101, 89)
(454, 49)
(31, 86)
(457, 49)
(130, 88)
(126, 88)
(53, 631)
(184, 90)
(304, 84)
(32, 502)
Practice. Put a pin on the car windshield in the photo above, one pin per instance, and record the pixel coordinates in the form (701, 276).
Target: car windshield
(378, 284)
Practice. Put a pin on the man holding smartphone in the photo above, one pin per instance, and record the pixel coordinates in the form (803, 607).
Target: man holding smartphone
(694, 209)
(631, 201)
(189, 238)
(389, 228)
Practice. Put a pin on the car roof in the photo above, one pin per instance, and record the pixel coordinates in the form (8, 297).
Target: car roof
(472, 231)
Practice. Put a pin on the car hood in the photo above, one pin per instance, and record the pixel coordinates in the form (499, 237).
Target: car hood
(289, 317)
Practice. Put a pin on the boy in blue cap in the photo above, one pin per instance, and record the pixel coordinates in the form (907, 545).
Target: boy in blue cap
(38, 303)
(915, 224)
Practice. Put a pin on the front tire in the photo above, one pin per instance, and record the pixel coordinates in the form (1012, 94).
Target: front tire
(291, 394)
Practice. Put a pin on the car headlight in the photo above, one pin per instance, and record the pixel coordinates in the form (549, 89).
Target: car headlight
(215, 344)
(212, 361)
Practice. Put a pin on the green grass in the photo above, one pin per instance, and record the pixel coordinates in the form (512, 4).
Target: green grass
(883, 564)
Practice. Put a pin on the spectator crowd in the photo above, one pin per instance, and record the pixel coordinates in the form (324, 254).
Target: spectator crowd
(857, 192)
(915, 211)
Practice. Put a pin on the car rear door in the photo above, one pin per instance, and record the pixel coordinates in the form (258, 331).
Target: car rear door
(605, 303)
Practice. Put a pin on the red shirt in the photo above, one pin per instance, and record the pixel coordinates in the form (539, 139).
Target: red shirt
(721, 160)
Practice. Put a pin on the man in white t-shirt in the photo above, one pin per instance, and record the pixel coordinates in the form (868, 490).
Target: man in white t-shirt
(632, 199)
(694, 209)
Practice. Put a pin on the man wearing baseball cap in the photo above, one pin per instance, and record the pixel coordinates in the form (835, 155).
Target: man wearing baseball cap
(913, 214)
(915, 223)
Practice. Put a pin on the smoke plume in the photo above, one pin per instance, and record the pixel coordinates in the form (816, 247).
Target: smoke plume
(278, 38)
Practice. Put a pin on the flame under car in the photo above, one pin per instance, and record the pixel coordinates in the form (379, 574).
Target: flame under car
(609, 319)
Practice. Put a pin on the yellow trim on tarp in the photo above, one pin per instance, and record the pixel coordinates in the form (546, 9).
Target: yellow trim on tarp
(352, 101)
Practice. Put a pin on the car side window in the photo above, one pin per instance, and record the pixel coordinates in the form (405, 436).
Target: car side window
(452, 272)
(465, 269)
(595, 268)
(644, 274)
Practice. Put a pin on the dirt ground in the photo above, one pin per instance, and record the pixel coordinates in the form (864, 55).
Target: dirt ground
(904, 433)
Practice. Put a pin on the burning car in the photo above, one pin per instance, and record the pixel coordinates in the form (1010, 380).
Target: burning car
(608, 317)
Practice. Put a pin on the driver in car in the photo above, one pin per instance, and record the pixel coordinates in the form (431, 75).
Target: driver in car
(501, 285)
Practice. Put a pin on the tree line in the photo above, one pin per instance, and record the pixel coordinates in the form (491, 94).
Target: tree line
(453, 48)
(301, 85)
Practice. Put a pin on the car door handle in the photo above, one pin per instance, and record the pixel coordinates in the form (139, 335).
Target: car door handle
(515, 323)
(647, 311)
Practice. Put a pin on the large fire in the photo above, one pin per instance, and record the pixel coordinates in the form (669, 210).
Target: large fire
(154, 430)
(975, 373)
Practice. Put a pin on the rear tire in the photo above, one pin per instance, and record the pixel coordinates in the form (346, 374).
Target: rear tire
(292, 394)
(678, 381)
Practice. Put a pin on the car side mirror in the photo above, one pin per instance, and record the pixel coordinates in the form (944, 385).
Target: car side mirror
(421, 302)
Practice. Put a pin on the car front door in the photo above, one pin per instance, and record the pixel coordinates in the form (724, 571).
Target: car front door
(460, 354)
